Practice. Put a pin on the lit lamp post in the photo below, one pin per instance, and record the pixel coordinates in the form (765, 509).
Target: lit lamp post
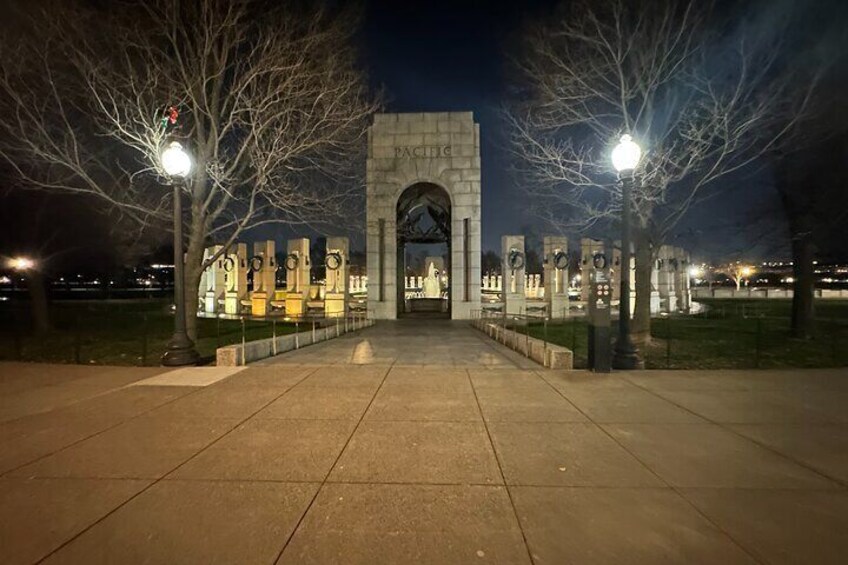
(625, 158)
(177, 165)
(21, 263)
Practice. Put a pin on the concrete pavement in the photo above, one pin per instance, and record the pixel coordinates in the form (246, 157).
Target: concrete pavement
(392, 463)
(411, 342)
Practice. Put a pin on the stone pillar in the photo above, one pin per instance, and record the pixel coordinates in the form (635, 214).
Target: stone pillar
(263, 264)
(214, 284)
(513, 268)
(665, 279)
(588, 248)
(681, 279)
(235, 276)
(655, 295)
(616, 269)
(297, 277)
(555, 250)
(336, 292)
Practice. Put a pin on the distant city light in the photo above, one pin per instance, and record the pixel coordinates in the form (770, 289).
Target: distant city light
(21, 263)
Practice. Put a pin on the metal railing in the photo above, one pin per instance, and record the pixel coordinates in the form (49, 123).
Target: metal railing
(137, 333)
(741, 336)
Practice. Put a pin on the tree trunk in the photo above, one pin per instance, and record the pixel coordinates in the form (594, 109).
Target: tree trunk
(38, 302)
(194, 259)
(192, 285)
(803, 313)
(641, 325)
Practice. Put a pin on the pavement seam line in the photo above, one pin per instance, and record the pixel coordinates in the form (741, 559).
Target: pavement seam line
(99, 432)
(163, 477)
(669, 486)
(333, 466)
(500, 470)
(79, 400)
(726, 426)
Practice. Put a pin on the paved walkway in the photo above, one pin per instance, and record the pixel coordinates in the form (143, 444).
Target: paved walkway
(385, 463)
(412, 342)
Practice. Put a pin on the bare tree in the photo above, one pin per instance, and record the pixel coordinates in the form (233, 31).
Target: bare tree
(267, 98)
(737, 272)
(703, 101)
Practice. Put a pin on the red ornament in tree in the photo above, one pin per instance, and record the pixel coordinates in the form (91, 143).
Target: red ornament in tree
(170, 117)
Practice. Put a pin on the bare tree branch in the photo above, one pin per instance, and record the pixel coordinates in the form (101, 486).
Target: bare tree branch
(272, 106)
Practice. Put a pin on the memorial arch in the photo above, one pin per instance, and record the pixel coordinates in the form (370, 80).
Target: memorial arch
(423, 186)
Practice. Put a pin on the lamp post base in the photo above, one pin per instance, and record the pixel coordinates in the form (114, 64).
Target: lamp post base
(626, 357)
(626, 362)
(180, 353)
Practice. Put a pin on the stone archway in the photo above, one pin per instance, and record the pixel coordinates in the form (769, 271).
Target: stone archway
(423, 218)
(426, 154)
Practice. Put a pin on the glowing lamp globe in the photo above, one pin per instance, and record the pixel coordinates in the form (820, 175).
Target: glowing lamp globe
(175, 161)
(626, 154)
(21, 263)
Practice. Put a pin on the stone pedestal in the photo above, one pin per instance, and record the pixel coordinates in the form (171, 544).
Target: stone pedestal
(513, 264)
(336, 293)
(235, 277)
(588, 248)
(681, 279)
(555, 249)
(214, 284)
(297, 277)
(665, 279)
(263, 263)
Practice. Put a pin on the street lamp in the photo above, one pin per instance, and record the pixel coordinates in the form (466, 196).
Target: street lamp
(21, 263)
(177, 165)
(625, 158)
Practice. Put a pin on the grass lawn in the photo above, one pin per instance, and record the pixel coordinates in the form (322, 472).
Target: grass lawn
(731, 334)
(131, 332)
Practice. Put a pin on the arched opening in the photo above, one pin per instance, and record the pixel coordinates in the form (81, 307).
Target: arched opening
(423, 251)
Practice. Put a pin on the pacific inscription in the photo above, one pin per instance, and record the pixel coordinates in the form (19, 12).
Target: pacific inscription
(423, 151)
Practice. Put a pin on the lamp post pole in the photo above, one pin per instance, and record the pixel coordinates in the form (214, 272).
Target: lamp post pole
(625, 158)
(625, 355)
(180, 349)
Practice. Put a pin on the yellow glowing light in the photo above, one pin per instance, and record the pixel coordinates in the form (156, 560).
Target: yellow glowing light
(747, 271)
(21, 263)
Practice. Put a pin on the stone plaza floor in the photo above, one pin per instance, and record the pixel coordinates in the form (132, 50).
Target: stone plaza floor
(337, 455)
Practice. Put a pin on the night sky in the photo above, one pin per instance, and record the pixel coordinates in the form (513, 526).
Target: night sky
(450, 56)
(438, 55)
